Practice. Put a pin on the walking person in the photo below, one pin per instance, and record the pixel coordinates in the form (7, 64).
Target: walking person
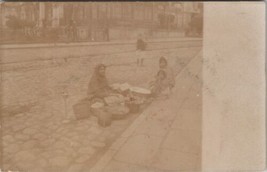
(140, 50)
(72, 30)
(106, 30)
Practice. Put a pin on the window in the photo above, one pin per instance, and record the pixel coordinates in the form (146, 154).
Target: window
(116, 10)
(148, 12)
(138, 12)
(126, 10)
(102, 9)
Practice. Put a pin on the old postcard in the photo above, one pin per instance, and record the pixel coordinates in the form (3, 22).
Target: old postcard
(132, 86)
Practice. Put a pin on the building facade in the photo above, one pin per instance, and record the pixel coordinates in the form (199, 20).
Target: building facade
(90, 20)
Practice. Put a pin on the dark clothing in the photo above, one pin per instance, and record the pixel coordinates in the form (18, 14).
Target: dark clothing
(98, 86)
(140, 45)
(159, 84)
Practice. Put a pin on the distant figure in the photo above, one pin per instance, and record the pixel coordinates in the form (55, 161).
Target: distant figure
(73, 30)
(140, 50)
(106, 30)
(170, 77)
(44, 23)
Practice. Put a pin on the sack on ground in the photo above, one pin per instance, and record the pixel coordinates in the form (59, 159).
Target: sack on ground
(103, 118)
(82, 109)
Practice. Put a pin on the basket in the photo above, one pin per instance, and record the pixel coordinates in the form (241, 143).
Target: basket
(133, 107)
(82, 109)
(104, 119)
(95, 108)
(117, 111)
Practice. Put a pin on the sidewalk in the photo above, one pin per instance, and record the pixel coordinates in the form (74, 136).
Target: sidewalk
(42, 45)
(166, 136)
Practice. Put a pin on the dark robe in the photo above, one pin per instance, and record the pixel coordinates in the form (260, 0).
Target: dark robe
(98, 86)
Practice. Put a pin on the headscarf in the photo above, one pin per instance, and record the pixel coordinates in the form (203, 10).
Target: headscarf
(163, 59)
(97, 82)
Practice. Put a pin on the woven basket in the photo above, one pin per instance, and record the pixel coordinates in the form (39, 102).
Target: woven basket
(82, 109)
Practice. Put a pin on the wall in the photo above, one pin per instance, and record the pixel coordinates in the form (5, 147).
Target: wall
(234, 87)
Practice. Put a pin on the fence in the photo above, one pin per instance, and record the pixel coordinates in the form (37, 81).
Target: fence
(44, 35)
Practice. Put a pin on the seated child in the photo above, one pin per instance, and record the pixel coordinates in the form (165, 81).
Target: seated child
(160, 84)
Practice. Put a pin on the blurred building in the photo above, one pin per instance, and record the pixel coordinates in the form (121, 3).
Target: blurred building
(91, 20)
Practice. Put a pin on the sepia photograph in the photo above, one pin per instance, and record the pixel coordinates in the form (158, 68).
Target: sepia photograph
(112, 86)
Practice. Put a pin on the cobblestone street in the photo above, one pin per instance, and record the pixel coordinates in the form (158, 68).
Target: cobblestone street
(45, 136)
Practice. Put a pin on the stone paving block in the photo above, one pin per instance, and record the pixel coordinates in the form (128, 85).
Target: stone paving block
(39, 136)
(30, 131)
(22, 137)
(8, 138)
(180, 96)
(130, 130)
(117, 166)
(87, 139)
(196, 88)
(61, 144)
(18, 127)
(57, 152)
(97, 144)
(41, 162)
(10, 149)
(95, 130)
(38, 169)
(104, 160)
(47, 143)
(118, 143)
(59, 161)
(83, 158)
(184, 141)
(153, 128)
(188, 119)
(87, 150)
(24, 156)
(192, 103)
(175, 161)
(75, 168)
(139, 149)
(120, 122)
(165, 112)
(29, 144)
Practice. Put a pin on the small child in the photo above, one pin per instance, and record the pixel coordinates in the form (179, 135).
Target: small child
(160, 83)
(163, 65)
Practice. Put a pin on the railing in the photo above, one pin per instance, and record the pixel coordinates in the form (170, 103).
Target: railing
(45, 35)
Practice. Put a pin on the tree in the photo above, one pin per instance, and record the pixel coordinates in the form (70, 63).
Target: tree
(14, 23)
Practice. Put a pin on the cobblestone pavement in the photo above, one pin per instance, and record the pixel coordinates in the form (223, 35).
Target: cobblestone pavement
(40, 139)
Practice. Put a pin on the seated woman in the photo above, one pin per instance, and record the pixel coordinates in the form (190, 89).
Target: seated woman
(160, 84)
(99, 92)
(98, 87)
